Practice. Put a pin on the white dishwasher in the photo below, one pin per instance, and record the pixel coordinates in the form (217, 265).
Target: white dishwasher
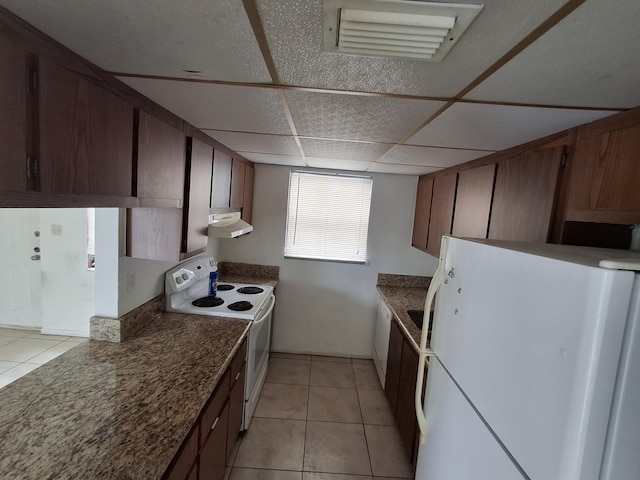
(381, 339)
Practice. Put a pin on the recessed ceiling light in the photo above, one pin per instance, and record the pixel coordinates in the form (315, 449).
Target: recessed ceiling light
(412, 30)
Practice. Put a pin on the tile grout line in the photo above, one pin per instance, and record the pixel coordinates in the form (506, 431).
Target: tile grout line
(364, 430)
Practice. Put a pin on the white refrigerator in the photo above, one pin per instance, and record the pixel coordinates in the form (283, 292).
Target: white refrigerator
(534, 365)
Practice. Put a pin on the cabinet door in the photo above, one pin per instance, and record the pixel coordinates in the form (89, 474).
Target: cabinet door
(236, 409)
(422, 213)
(237, 184)
(444, 194)
(184, 463)
(405, 410)
(247, 202)
(213, 454)
(196, 207)
(524, 195)
(473, 202)
(394, 360)
(154, 233)
(221, 182)
(606, 166)
(160, 159)
(86, 135)
(13, 134)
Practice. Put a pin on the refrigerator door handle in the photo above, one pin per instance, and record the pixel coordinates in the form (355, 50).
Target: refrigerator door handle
(436, 282)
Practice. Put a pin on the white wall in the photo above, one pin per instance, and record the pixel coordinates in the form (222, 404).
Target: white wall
(327, 307)
(68, 299)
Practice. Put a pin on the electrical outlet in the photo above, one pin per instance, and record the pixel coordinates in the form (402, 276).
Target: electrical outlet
(131, 281)
(56, 230)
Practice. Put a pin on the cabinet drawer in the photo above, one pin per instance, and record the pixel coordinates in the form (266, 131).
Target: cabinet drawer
(238, 361)
(184, 462)
(214, 407)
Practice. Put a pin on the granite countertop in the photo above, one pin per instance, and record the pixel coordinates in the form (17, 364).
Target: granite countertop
(115, 410)
(402, 293)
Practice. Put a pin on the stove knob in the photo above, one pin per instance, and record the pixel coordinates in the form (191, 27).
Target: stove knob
(185, 276)
(179, 280)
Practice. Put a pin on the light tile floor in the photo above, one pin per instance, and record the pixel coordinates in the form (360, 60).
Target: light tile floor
(24, 350)
(320, 418)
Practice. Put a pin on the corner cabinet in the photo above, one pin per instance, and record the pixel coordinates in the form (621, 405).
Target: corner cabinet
(441, 218)
(204, 453)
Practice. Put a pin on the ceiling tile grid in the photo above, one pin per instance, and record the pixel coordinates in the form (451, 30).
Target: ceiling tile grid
(401, 169)
(338, 164)
(498, 127)
(591, 58)
(161, 38)
(357, 117)
(294, 32)
(257, 143)
(431, 157)
(217, 107)
(346, 150)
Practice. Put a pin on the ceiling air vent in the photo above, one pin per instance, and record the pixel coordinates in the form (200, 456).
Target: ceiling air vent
(412, 30)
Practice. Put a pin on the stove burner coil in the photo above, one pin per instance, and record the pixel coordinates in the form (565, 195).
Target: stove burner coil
(207, 302)
(240, 306)
(250, 290)
(225, 287)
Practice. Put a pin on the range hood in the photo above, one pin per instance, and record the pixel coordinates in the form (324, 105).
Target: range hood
(228, 225)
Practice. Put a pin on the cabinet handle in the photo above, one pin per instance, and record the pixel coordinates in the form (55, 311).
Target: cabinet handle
(237, 376)
(215, 423)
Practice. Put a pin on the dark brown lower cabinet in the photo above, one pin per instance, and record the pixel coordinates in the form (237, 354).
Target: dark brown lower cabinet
(213, 454)
(402, 370)
(203, 455)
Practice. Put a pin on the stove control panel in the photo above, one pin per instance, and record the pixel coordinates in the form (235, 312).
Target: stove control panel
(189, 273)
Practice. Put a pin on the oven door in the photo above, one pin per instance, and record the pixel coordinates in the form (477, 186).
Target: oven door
(257, 358)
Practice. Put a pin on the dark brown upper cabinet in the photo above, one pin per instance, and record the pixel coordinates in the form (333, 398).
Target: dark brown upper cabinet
(13, 119)
(237, 184)
(196, 209)
(422, 213)
(523, 200)
(441, 218)
(160, 160)
(247, 201)
(605, 171)
(86, 135)
(221, 183)
(473, 202)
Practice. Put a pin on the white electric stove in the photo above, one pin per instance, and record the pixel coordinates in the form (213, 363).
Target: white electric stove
(187, 291)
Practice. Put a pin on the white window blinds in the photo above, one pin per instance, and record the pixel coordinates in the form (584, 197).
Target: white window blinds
(328, 217)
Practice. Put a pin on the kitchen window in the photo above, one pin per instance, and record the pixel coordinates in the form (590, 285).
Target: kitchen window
(328, 216)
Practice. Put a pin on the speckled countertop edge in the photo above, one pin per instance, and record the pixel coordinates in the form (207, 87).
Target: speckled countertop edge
(108, 410)
(401, 299)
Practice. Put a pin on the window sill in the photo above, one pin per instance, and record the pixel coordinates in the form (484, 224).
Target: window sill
(330, 260)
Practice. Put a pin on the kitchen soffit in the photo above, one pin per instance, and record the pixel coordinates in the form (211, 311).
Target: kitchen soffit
(294, 32)
(591, 58)
(352, 117)
(217, 107)
(252, 142)
(498, 127)
(162, 38)
(431, 156)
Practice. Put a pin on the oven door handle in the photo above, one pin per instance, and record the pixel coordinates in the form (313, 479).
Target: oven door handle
(266, 311)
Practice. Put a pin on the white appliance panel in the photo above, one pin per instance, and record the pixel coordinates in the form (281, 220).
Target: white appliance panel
(457, 444)
(381, 340)
(534, 343)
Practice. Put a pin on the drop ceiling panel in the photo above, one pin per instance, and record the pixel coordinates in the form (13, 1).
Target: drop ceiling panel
(290, 160)
(294, 32)
(163, 37)
(353, 117)
(259, 143)
(344, 150)
(336, 164)
(401, 169)
(431, 157)
(588, 59)
(217, 107)
(496, 127)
